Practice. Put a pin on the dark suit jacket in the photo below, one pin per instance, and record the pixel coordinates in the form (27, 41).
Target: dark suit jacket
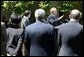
(14, 40)
(26, 24)
(53, 20)
(3, 39)
(40, 39)
(71, 39)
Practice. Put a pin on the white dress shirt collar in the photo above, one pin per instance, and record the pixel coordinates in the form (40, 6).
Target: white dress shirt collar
(73, 20)
(26, 17)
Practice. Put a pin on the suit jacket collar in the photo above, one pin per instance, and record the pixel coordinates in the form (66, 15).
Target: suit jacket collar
(25, 17)
(40, 21)
(54, 15)
(73, 20)
(14, 26)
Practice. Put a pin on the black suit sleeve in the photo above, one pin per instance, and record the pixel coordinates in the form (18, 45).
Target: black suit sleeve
(56, 40)
(27, 44)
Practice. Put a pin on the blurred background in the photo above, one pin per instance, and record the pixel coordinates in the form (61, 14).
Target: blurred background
(63, 7)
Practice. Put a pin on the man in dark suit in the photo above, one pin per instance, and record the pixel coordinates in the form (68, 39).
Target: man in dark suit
(71, 36)
(14, 41)
(24, 23)
(25, 20)
(39, 37)
(3, 39)
(53, 19)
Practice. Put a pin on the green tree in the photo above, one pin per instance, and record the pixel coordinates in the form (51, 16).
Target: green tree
(7, 7)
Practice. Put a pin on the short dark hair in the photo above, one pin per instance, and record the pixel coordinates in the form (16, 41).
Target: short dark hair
(15, 18)
(27, 12)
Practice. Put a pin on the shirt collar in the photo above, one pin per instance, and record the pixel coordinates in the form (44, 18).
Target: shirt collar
(25, 17)
(73, 20)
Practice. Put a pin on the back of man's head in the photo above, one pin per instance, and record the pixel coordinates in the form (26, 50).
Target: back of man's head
(15, 18)
(27, 12)
(75, 14)
(39, 14)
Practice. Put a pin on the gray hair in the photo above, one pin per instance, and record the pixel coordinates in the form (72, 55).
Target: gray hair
(39, 13)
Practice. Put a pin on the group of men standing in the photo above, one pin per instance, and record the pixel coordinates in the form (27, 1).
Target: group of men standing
(44, 39)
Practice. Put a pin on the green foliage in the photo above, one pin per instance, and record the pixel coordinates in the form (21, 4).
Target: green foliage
(21, 6)
(65, 6)
(17, 6)
(44, 4)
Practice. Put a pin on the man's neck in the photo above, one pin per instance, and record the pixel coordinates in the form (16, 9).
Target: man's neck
(74, 20)
(13, 25)
(53, 14)
(26, 17)
(40, 20)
